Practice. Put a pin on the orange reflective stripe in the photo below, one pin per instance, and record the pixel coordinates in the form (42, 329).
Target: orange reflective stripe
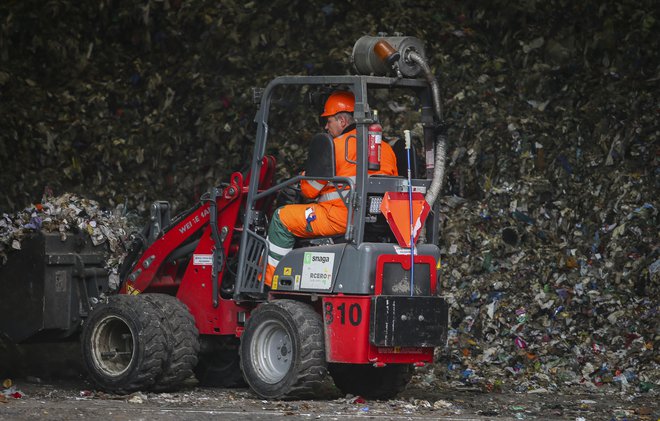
(310, 189)
(329, 196)
(315, 184)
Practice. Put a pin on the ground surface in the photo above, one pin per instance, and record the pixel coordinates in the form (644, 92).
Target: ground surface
(62, 393)
(71, 399)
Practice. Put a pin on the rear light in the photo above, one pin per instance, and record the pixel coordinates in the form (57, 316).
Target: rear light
(396, 279)
(374, 204)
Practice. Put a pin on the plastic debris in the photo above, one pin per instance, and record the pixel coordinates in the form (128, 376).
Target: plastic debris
(9, 391)
(86, 393)
(69, 215)
(137, 397)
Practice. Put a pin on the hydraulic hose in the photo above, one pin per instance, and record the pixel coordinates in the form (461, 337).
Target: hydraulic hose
(441, 140)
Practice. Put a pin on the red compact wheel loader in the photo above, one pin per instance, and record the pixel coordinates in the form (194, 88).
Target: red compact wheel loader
(365, 307)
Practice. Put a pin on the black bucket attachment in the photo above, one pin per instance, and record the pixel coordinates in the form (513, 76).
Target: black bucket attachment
(49, 285)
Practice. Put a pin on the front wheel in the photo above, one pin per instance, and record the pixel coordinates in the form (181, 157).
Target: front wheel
(282, 350)
(182, 340)
(123, 347)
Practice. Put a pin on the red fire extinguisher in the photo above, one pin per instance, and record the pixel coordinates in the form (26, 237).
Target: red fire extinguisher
(375, 138)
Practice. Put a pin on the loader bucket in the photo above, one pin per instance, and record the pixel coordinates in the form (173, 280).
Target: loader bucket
(47, 286)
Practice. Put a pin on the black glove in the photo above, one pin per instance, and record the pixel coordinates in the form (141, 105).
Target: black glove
(288, 195)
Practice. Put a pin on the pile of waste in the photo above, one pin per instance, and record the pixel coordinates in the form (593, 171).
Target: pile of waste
(69, 214)
(551, 259)
(543, 299)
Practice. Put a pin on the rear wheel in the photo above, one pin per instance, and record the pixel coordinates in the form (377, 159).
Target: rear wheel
(181, 340)
(282, 351)
(369, 381)
(122, 344)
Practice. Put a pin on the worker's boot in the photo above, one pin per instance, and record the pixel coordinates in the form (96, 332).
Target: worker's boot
(270, 271)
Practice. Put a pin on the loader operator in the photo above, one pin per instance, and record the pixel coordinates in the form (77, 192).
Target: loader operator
(328, 216)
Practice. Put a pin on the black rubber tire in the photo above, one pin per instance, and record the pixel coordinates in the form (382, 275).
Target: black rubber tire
(130, 325)
(220, 369)
(181, 339)
(371, 382)
(282, 350)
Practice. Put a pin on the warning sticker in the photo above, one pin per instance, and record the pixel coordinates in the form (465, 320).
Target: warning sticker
(402, 250)
(202, 259)
(317, 270)
(130, 289)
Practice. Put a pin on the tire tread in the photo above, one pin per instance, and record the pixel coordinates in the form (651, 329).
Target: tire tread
(182, 340)
(149, 337)
(310, 367)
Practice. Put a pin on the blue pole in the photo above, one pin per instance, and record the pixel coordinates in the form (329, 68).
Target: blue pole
(410, 206)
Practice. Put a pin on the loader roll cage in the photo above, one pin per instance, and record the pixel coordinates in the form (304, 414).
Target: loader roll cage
(253, 245)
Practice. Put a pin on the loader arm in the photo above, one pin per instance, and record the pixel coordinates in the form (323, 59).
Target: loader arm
(149, 264)
(207, 233)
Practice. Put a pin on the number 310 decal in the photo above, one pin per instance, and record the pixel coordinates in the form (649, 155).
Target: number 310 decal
(353, 313)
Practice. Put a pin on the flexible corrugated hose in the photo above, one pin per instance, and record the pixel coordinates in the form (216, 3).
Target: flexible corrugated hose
(441, 139)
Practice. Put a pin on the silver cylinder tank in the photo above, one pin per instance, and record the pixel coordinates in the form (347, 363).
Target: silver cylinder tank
(366, 61)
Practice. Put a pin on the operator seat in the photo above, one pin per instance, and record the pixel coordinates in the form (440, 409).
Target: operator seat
(399, 149)
(321, 156)
(320, 163)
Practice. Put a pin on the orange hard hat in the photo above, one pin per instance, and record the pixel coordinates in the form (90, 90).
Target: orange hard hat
(339, 101)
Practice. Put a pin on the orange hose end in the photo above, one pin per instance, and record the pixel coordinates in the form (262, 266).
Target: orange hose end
(384, 50)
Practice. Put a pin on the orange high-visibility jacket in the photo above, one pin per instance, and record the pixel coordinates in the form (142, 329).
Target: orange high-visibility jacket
(324, 192)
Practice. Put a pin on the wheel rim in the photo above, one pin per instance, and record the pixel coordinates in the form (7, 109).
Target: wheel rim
(272, 351)
(112, 346)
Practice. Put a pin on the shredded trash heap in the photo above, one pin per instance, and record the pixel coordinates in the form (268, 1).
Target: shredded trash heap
(550, 207)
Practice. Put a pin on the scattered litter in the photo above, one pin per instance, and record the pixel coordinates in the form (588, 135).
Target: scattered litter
(86, 393)
(137, 397)
(441, 404)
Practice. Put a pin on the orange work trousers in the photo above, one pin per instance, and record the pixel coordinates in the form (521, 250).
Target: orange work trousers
(328, 219)
(311, 220)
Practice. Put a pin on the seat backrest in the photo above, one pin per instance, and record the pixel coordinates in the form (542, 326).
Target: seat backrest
(321, 156)
(399, 149)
